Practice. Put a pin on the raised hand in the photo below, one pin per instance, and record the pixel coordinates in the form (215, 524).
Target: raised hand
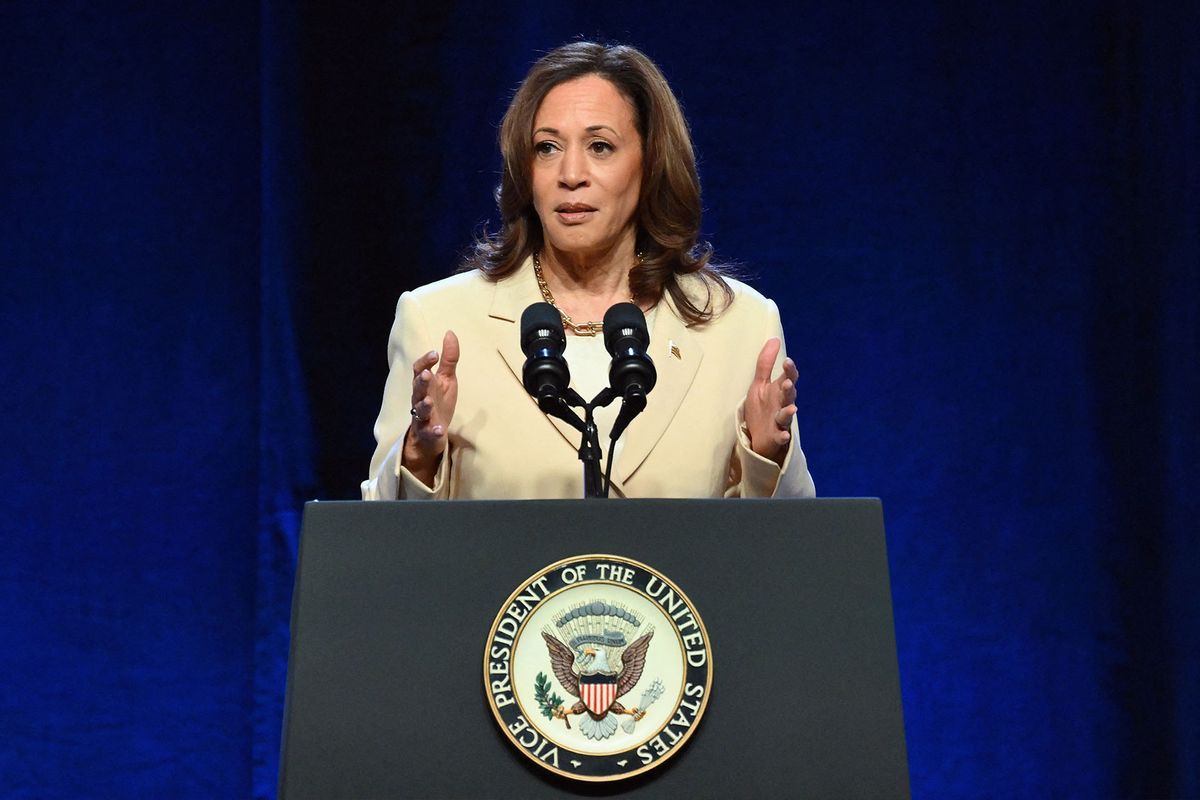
(434, 396)
(771, 404)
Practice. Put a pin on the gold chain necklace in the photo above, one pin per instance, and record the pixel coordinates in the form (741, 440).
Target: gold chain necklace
(577, 328)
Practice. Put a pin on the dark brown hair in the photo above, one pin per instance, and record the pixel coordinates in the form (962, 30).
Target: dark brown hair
(668, 213)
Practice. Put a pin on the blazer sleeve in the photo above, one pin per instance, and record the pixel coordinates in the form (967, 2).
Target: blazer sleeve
(389, 479)
(752, 475)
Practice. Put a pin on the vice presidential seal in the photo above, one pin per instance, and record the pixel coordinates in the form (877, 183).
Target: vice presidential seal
(598, 668)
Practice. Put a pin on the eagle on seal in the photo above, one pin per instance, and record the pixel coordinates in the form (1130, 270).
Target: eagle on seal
(585, 673)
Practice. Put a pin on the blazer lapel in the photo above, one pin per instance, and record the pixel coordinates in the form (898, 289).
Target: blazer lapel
(677, 354)
(511, 298)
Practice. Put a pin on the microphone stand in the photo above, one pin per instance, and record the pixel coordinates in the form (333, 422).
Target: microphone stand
(589, 446)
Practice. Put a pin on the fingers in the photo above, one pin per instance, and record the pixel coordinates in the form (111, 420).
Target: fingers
(783, 419)
(790, 371)
(787, 391)
(771, 405)
(423, 429)
(449, 355)
(424, 393)
(422, 376)
(423, 367)
(422, 410)
(424, 433)
(425, 362)
(420, 387)
(426, 438)
(766, 360)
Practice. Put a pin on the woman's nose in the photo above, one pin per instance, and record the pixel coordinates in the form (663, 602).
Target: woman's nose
(573, 168)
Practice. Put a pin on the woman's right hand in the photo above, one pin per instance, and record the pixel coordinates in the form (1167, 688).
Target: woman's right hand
(434, 396)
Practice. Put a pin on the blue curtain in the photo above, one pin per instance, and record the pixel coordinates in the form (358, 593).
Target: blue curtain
(980, 223)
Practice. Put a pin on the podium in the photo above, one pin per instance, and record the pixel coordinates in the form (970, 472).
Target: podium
(393, 603)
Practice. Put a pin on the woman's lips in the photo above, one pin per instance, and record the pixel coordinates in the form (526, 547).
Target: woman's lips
(573, 213)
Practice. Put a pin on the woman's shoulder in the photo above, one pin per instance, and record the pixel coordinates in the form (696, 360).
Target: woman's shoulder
(455, 288)
(741, 301)
(462, 292)
(747, 294)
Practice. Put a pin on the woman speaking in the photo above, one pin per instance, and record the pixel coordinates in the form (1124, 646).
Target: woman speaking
(600, 204)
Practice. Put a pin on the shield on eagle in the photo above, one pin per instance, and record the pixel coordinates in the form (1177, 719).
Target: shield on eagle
(598, 692)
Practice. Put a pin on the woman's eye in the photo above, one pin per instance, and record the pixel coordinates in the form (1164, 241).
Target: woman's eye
(544, 148)
(601, 147)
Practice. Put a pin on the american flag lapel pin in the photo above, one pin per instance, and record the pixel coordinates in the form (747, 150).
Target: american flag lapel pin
(675, 350)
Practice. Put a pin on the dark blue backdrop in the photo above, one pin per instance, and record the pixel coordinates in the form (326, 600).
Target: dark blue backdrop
(979, 220)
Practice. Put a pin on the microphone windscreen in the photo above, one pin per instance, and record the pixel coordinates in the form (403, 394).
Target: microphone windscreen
(622, 320)
(542, 321)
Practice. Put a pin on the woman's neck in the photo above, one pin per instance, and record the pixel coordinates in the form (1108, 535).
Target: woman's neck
(585, 286)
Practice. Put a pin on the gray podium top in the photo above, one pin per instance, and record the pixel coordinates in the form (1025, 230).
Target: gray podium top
(393, 603)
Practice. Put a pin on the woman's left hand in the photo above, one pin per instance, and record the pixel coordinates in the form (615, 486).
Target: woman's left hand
(771, 404)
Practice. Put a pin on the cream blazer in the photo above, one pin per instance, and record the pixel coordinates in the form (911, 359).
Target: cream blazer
(689, 442)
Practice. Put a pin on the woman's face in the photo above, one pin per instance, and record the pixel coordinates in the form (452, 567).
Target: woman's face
(587, 168)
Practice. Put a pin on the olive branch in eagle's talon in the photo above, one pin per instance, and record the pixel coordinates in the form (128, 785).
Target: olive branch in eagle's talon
(548, 701)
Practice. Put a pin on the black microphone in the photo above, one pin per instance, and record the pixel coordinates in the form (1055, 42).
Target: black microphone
(632, 374)
(545, 374)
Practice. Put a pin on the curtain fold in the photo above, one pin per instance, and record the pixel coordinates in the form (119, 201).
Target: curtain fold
(286, 447)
